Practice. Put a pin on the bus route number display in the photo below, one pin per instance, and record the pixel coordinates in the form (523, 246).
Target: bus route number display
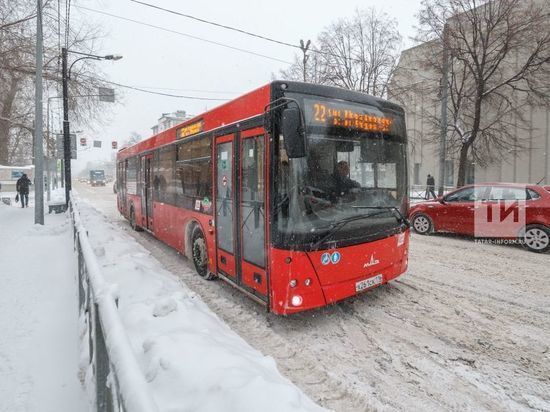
(191, 129)
(329, 115)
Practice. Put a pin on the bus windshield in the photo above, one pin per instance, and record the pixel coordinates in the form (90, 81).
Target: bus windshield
(349, 174)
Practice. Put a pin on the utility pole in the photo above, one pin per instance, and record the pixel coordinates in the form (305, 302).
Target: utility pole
(38, 131)
(443, 124)
(66, 130)
(305, 48)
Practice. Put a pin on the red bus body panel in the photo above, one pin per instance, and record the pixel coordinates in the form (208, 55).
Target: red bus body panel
(331, 283)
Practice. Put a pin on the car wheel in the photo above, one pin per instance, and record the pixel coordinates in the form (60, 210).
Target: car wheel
(200, 254)
(536, 238)
(422, 224)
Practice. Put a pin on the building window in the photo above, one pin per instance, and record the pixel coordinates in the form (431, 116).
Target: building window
(416, 173)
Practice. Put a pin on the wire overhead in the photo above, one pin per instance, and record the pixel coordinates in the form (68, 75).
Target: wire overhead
(182, 34)
(258, 36)
(216, 24)
(139, 89)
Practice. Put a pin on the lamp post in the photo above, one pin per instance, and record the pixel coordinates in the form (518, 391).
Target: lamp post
(38, 132)
(66, 75)
(443, 130)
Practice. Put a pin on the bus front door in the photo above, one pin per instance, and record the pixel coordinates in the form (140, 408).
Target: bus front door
(240, 210)
(252, 213)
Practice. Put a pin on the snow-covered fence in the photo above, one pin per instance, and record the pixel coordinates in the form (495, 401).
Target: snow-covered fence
(119, 382)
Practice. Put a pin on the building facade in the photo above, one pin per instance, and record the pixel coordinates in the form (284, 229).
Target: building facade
(416, 86)
(168, 120)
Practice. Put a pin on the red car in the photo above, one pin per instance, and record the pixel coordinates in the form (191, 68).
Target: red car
(490, 210)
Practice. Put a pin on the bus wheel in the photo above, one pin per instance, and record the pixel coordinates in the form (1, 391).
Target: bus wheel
(422, 224)
(133, 223)
(200, 254)
(536, 238)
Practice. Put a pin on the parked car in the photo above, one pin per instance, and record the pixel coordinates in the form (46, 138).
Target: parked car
(455, 213)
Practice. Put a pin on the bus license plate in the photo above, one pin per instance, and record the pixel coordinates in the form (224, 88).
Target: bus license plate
(368, 283)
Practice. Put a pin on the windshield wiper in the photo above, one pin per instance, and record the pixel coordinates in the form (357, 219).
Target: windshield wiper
(399, 215)
(338, 225)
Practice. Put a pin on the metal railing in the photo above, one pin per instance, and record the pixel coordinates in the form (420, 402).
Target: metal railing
(119, 382)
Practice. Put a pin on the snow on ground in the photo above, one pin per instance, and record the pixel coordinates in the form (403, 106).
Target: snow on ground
(191, 359)
(467, 329)
(39, 351)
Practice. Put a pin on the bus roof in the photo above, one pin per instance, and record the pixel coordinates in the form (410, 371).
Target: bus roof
(249, 105)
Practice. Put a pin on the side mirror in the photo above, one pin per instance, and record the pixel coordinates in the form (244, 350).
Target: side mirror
(292, 132)
(441, 199)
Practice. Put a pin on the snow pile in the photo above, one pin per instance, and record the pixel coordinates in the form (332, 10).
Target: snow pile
(190, 358)
(38, 315)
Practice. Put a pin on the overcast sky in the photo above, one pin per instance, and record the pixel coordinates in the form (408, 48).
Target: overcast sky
(176, 64)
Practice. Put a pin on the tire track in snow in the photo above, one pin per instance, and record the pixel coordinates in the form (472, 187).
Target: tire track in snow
(466, 330)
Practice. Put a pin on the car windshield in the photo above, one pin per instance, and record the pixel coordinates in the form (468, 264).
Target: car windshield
(360, 178)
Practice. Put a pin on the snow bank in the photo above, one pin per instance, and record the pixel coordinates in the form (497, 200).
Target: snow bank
(38, 315)
(133, 387)
(190, 358)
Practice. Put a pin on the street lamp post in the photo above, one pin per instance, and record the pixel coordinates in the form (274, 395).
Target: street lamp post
(66, 75)
(443, 124)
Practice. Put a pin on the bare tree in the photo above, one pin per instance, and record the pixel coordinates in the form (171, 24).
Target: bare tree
(499, 64)
(17, 48)
(134, 138)
(357, 53)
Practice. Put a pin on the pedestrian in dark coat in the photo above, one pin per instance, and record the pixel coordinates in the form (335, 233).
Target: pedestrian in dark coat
(22, 187)
(430, 187)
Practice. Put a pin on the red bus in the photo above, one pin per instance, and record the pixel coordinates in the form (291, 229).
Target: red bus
(294, 193)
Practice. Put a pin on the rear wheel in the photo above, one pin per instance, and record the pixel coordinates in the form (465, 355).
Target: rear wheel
(133, 223)
(422, 224)
(200, 254)
(536, 238)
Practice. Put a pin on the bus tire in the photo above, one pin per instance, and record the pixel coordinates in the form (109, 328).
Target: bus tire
(199, 254)
(133, 223)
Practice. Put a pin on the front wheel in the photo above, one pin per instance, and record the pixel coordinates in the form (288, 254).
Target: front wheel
(200, 254)
(536, 238)
(422, 224)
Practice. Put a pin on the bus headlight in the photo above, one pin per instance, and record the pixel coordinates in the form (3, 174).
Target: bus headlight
(296, 300)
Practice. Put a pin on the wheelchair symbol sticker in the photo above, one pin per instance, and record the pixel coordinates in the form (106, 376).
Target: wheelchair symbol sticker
(325, 258)
(335, 257)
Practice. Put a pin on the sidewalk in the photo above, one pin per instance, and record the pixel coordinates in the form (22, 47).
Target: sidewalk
(39, 351)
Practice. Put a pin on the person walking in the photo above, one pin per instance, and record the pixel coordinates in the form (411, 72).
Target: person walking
(22, 187)
(430, 187)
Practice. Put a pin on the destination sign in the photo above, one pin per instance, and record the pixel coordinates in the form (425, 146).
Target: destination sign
(191, 129)
(336, 114)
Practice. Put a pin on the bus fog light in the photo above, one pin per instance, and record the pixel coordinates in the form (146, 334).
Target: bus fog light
(293, 283)
(307, 282)
(296, 300)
